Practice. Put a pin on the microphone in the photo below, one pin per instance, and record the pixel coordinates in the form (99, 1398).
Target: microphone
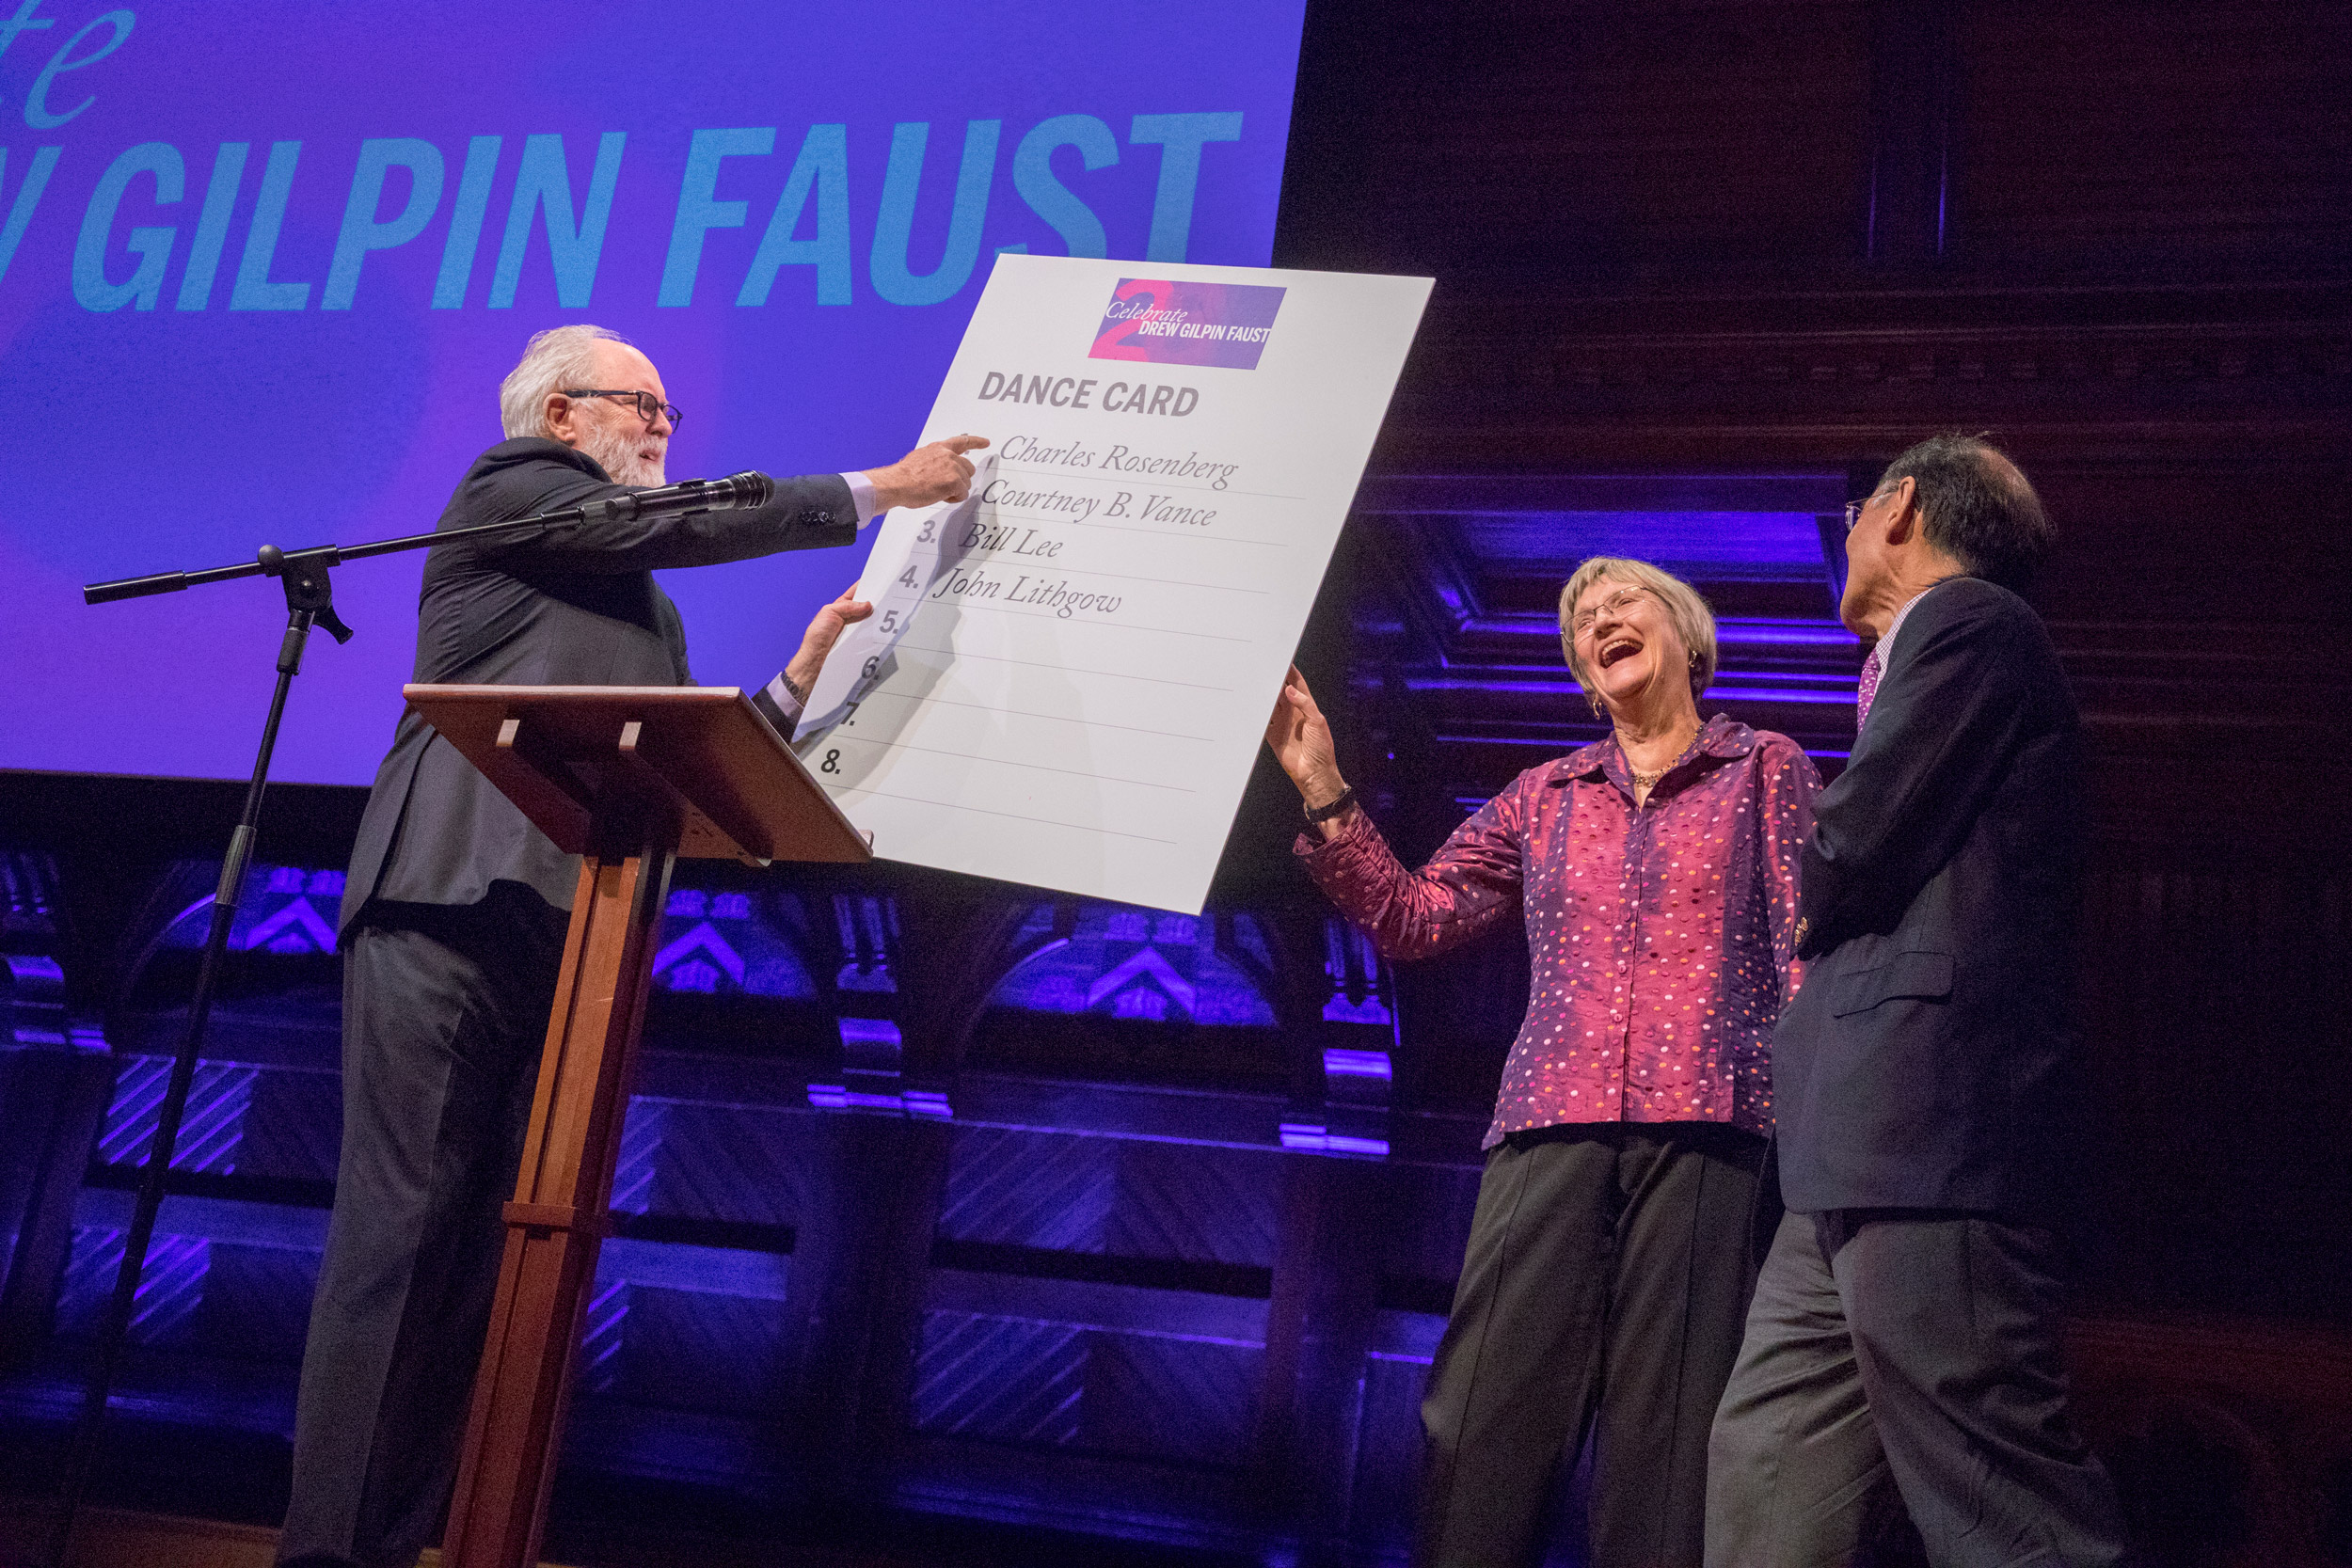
(693, 494)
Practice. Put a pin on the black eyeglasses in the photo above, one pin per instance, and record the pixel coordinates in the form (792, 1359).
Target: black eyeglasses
(646, 404)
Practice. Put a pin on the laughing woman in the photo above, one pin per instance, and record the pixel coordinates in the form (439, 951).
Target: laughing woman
(1608, 1270)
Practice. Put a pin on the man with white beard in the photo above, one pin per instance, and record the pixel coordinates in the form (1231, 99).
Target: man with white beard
(454, 916)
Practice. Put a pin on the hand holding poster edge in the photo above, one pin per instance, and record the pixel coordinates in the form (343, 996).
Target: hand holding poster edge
(862, 657)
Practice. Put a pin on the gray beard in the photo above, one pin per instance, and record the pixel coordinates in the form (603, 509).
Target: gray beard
(616, 454)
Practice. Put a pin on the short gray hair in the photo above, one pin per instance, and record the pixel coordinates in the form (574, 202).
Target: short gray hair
(559, 357)
(1693, 621)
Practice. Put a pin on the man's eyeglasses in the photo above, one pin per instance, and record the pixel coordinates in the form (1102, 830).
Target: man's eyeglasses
(1615, 605)
(646, 404)
(1854, 509)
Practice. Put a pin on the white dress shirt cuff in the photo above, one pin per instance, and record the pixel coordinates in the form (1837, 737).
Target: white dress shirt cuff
(861, 496)
(788, 703)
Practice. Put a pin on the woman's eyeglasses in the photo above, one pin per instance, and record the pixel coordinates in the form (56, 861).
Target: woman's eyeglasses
(1615, 605)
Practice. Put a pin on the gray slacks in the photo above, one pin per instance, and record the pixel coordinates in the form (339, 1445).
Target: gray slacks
(445, 1012)
(1919, 1347)
(1603, 1288)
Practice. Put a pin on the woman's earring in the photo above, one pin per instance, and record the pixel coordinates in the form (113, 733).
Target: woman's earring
(1593, 698)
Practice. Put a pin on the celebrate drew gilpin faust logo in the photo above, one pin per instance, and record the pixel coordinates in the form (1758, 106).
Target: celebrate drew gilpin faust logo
(1163, 322)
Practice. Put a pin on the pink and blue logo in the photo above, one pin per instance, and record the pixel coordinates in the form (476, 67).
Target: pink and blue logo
(1166, 323)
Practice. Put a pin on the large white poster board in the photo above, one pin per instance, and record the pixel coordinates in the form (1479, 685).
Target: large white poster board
(1067, 676)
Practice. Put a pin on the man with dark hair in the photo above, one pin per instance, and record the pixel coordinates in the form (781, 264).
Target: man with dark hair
(1925, 1079)
(1978, 508)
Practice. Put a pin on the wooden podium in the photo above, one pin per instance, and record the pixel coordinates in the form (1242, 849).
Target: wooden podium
(631, 778)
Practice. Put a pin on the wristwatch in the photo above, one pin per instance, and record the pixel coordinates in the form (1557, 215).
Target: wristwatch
(1346, 798)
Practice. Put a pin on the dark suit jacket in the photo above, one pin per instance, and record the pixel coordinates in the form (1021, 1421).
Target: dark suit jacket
(566, 607)
(1927, 1061)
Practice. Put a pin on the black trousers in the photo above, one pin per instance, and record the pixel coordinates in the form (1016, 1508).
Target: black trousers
(1919, 1347)
(445, 1012)
(1604, 1287)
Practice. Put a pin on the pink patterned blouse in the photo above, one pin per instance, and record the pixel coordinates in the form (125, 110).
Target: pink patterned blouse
(1663, 937)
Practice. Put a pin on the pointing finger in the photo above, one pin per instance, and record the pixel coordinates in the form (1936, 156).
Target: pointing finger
(960, 444)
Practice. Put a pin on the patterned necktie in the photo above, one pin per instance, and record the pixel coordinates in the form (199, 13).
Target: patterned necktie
(1868, 689)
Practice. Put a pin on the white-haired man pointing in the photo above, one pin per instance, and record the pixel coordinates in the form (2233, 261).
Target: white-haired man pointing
(454, 917)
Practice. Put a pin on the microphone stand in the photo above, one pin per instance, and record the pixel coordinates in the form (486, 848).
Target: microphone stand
(310, 601)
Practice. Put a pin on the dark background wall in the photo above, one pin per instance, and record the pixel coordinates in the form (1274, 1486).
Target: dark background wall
(1690, 256)
(1727, 238)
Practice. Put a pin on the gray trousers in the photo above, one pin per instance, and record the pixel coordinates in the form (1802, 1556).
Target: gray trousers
(1919, 1347)
(445, 1012)
(1603, 1290)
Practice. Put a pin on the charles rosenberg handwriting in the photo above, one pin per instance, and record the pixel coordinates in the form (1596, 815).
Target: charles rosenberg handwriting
(1067, 672)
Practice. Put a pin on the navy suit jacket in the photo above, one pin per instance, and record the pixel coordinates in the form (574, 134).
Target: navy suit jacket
(564, 606)
(1928, 1061)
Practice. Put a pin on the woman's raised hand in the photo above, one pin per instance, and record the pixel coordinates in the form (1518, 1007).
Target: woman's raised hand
(1300, 740)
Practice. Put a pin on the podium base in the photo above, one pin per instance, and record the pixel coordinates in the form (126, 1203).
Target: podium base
(559, 1217)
